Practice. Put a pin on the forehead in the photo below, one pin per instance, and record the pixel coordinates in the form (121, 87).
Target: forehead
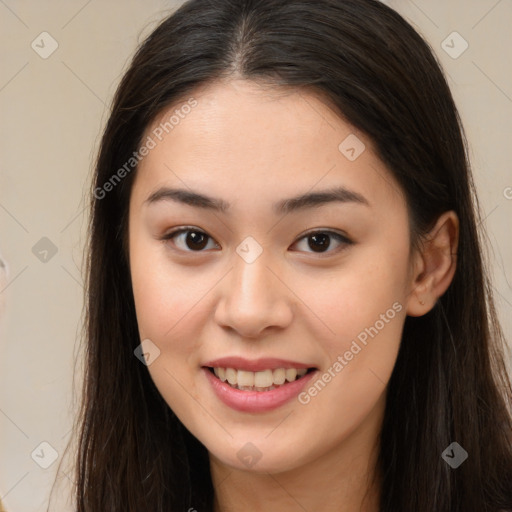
(243, 139)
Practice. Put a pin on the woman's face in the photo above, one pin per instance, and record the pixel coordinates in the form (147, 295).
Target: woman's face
(272, 273)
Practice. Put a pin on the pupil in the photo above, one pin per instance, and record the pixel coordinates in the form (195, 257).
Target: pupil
(196, 240)
(322, 240)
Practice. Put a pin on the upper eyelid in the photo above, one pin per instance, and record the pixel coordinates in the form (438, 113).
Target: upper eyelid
(199, 230)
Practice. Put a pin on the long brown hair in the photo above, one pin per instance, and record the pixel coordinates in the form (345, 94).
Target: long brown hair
(449, 382)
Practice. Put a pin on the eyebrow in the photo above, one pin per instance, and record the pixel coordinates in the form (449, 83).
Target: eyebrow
(292, 204)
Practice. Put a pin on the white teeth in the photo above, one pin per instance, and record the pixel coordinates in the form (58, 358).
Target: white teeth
(221, 373)
(231, 376)
(245, 379)
(259, 381)
(263, 379)
(279, 376)
(291, 374)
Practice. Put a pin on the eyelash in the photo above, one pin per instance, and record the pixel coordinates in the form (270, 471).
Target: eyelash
(337, 236)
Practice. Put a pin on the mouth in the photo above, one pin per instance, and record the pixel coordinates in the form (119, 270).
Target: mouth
(261, 381)
(257, 385)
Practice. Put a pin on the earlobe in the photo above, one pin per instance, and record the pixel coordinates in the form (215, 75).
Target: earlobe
(435, 265)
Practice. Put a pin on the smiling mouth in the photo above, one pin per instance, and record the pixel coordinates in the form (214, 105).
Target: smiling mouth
(265, 380)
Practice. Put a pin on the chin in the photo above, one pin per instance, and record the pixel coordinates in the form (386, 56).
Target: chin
(260, 457)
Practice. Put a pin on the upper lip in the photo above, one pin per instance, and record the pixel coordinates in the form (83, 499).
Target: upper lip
(254, 365)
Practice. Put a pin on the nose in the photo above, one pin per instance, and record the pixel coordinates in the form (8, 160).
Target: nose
(253, 299)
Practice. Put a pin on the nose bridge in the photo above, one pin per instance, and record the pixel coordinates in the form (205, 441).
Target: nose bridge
(252, 299)
(251, 287)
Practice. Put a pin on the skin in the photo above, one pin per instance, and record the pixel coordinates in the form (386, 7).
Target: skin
(253, 146)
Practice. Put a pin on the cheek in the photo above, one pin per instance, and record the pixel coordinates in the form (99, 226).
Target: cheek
(164, 294)
(362, 305)
(169, 313)
(358, 295)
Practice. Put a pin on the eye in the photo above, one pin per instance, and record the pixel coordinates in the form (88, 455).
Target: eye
(192, 238)
(195, 240)
(321, 241)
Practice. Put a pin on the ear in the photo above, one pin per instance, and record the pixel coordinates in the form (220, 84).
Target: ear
(434, 265)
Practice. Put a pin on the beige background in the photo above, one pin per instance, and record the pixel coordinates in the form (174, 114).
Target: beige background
(52, 111)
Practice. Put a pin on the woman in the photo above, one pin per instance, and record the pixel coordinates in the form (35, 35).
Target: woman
(287, 303)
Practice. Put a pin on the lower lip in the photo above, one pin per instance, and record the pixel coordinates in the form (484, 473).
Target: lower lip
(257, 401)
